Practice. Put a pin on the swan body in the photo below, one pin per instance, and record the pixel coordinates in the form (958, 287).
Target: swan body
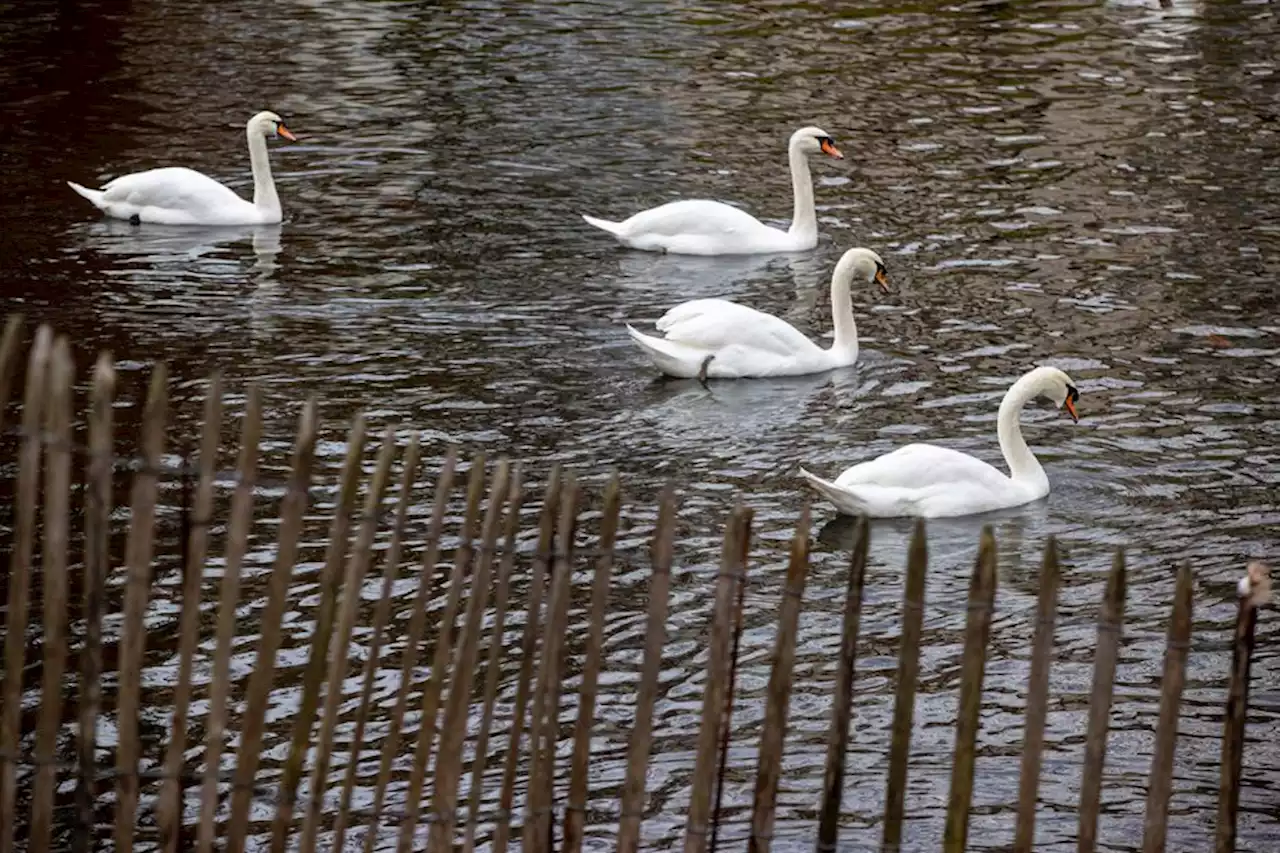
(701, 227)
(937, 482)
(175, 195)
(716, 338)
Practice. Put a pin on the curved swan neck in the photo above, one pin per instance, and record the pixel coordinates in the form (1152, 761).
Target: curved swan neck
(846, 330)
(1023, 465)
(804, 221)
(264, 186)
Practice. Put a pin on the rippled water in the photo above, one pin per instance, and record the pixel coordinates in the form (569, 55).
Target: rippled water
(1091, 185)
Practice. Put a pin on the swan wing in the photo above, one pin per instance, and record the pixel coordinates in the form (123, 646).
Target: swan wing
(925, 466)
(692, 218)
(714, 324)
(171, 188)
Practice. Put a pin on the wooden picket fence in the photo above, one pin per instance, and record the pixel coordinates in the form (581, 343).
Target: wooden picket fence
(182, 803)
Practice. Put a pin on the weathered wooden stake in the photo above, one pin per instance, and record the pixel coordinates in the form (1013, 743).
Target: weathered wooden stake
(528, 653)
(493, 664)
(1037, 700)
(10, 346)
(346, 605)
(453, 731)
(982, 594)
(441, 656)
(97, 513)
(575, 810)
(292, 509)
(904, 703)
(544, 726)
(631, 808)
(57, 496)
(409, 655)
(330, 582)
(697, 821)
(1233, 726)
(138, 552)
(228, 599)
(726, 724)
(842, 703)
(170, 807)
(1110, 623)
(381, 615)
(15, 645)
(769, 770)
(1160, 782)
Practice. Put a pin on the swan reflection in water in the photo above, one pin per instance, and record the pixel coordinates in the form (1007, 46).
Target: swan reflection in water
(692, 276)
(1021, 535)
(681, 410)
(186, 280)
(165, 244)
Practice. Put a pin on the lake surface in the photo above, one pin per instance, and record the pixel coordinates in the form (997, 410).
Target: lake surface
(1095, 186)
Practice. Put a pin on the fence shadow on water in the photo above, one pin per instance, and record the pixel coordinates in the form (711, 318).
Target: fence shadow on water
(55, 791)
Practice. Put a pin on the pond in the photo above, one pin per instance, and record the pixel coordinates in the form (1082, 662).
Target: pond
(1093, 186)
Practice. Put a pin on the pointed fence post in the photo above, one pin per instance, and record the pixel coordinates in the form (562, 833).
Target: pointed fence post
(982, 594)
(774, 733)
(904, 703)
(842, 703)
(1037, 700)
(1110, 622)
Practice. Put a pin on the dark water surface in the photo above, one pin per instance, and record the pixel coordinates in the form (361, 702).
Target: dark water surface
(1092, 185)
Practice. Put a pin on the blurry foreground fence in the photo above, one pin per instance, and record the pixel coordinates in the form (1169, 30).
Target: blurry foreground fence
(53, 783)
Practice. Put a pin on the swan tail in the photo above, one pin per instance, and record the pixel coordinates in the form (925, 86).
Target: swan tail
(95, 197)
(614, 228)
(872, 500)
(845, 500)
(673, 359)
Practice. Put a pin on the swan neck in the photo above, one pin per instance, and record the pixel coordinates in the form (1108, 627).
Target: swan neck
(264, 186)
(846, 330)
(804, 221)
(1023, 465)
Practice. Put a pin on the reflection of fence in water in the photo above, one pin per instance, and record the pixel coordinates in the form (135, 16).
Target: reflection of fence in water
(195, 803)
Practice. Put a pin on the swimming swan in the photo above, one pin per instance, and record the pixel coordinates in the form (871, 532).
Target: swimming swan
(713, 228)
(936, 482)
(724, 340)
(175, 195)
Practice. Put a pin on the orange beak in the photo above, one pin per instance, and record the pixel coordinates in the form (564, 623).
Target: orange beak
(284, 131)
(1071, 410)
(882, 279)
(830, 150)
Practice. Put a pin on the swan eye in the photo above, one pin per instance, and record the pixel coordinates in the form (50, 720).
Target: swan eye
(1070, 403)
(882, 277)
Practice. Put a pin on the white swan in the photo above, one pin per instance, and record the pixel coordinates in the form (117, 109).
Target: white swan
(175, 195)
(714, 228)
(721, 339)
(935, 482)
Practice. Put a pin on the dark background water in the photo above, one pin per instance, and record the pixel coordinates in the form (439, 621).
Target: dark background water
(1090, 185)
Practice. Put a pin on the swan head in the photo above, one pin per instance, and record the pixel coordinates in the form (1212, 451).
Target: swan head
(1057, 387)
(267, 123)
(815, 140)
(865, 264)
